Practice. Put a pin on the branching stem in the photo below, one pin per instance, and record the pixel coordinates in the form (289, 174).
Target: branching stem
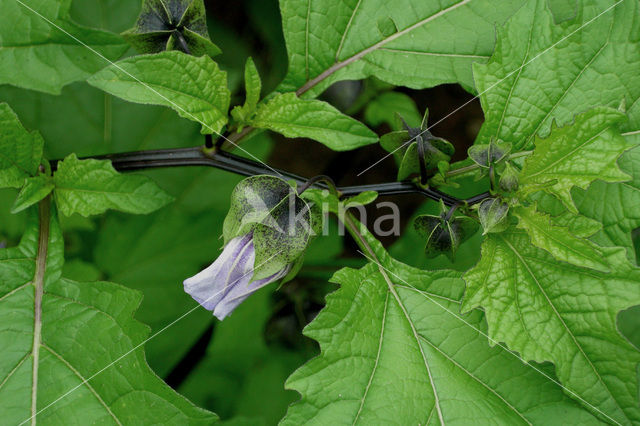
(201, 156)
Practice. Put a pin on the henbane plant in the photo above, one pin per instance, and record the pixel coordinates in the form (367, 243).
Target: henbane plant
(511, 295)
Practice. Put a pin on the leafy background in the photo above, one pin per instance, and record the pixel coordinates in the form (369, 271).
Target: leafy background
(237, 368)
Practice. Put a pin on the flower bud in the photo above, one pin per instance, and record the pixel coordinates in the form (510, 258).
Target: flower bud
(492, 213)
(486, 155)
(509, 181)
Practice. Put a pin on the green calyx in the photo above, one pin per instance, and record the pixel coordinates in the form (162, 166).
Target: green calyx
(406, 146)
(281, 222)
(172, 25)
(444, 233)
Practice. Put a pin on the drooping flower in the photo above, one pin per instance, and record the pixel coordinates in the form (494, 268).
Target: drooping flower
(226, 283)
(266, 231)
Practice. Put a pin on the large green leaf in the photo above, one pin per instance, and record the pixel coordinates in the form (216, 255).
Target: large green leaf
(576, 155)
(20, 150)
(42, 49)
(541, 71)
(91, 187)
(551, 311)
(297, 118)
(60, 337)
(194, 87)
(416, 44)
(395, 350)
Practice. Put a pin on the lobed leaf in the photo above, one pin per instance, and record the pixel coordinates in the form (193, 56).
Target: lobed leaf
(20, 150)
(542, 71)
(551, 311)
(576, 155)
(396, 350)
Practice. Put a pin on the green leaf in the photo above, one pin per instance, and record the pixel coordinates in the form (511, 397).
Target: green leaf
(559, 241)
(299, 118)
(615, 205)
(20, 150)
(50, 326)
(542, 72)
(395, 350)
(166, 24)
(39, 47)
(194, 87)
(91, 187)
(253, 86)
(576, 155)
(383, 109)
(34, 190)
(435, 42)
(551, 311)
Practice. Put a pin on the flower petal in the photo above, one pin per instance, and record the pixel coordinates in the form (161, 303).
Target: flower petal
(242, 290)
(210, 285)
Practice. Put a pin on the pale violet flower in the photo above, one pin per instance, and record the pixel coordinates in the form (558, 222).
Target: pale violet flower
(226, 283)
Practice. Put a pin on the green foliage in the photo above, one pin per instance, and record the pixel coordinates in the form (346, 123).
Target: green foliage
(551, 311)
(542, 330)
(542, 71)
(57, 334)
(91, 187)
(20, 150)
(252, 88)
(560, 241)
(194, 87)
(414, 44)
(388, 311)
(576, 155)
(39, 46)
(298, 118)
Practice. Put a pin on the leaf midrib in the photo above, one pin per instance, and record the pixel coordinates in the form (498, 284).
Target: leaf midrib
(568, 330)
(38, 283)
(339, 65)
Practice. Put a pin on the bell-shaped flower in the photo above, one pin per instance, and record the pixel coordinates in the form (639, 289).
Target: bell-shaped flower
(226, 283)
(266, 231)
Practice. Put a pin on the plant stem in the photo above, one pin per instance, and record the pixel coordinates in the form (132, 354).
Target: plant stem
(201, 156)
